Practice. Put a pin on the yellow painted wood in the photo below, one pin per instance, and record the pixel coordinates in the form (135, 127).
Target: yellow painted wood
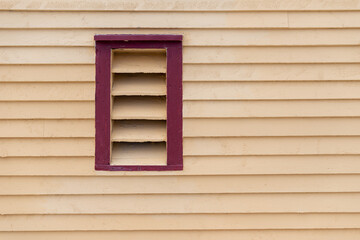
(193, 72)
(271, 90)
(323, 19)
(271, 146)
(68, 19)
(133, 63)
(153, 108)
(47, 73)
(138, 131)
(178, 184)
(270, 122)
(181, 5)
(186, 203)
(156, 86)
(192, 128)
(271, 127)
(139, 84)
(47, 91)
(272, 72)
(47, 55)
(148, 153)
(178, 222)
(314, 234)
(306, 108)
(195, 165)
(46, 147)
(47, 110)
(46, 128)
(194, 37)
(272, 54)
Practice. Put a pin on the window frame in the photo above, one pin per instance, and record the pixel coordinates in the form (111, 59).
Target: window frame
(174, 145)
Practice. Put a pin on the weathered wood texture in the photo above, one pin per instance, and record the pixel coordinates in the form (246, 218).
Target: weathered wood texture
(271, 122)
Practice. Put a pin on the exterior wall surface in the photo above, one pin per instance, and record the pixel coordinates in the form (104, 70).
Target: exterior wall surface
(271, 122)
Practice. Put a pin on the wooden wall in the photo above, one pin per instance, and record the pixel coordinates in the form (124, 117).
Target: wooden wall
(271, 122)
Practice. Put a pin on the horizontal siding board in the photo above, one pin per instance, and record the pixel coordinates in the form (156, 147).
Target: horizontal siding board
(178, 184)
(181, 5)
(193, 127)
(272, 72)
(193, 166)
(323, 19)
(12, 19)
(47, 110)
(271, 146)
(192, 91)
(193, 146)
(47, 91)
(192, 109)
(192, 55)
(272, 54)
(276, 19)
(47, 55)
(126, 222)
(271, 127)
(271, 90)
(294, 108)
(185, 203)
(46, 147)
(46, 128)
(47, 73)
(193, 37)
(193, 72)
(327, 234)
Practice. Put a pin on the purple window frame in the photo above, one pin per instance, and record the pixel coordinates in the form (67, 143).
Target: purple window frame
(174, 144)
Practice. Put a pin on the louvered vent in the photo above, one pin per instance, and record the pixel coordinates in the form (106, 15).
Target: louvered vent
(138, 115)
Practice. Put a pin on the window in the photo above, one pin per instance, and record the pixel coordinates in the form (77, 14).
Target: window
(138, 102)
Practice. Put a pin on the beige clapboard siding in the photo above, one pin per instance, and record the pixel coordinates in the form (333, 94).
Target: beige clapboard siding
(271, 146)
(193, 37)
(181, 5)
(183, 203)
(47, 73)
(192, 128)
(276, 19)
(275, 108)
(193, 72)
(270, 127)
(193, 146)
(46, 128)
(192, 109)
(272, 54)
(270, 90)
(192, 90)
(199, 165)
(46, 147)
(126, 222)
(178, 184)
(47, 91)
(271, 72)
(47, 110)
(323, 19)
(283, 234)
(38, 19)
(191, 55)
